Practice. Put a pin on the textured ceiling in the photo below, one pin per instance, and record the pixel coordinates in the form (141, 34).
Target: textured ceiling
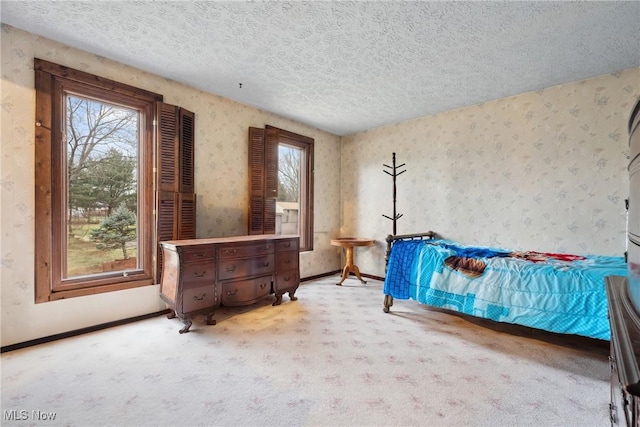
(345, 67)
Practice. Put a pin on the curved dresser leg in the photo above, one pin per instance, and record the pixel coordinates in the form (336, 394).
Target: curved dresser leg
(187, 325)
(278, 300)
(210, 319)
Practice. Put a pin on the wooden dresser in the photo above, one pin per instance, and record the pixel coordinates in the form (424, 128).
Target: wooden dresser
(199, 275)
(624, 302)
(625, 353)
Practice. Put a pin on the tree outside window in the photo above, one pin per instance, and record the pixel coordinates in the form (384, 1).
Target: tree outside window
(102, 146)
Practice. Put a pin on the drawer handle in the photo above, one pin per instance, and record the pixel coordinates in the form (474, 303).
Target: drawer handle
(231, 251)
(231, 269)
(287, 245)
(286, 279)
(267, 246)
(265, 264)
(232, 294)
(263, 285)
(288, 261)
(201, 274)
(199, 298)
(200, 254)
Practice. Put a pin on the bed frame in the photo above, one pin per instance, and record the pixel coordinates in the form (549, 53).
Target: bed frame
(388, 299)
(562, 293)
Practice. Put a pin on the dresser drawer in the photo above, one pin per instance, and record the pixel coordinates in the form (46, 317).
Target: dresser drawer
(201, 298)
(287, 280)
(243, 292)
(198, 253)
(198, 274)
(287, 245)
(238, 268)
(287, 260)
(240, 251)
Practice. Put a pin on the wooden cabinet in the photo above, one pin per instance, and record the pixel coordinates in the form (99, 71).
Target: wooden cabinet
(625, 352)
(623, 295)
(199, 275)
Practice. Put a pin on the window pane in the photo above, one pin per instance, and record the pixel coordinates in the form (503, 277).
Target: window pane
(288, 204)
(102, 187)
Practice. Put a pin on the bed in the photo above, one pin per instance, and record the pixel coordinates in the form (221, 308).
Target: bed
(561, 293)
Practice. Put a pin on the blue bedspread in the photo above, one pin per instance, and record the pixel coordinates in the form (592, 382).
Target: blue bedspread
(556, 292)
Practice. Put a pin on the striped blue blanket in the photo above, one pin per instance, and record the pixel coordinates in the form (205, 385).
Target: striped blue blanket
(560, 293)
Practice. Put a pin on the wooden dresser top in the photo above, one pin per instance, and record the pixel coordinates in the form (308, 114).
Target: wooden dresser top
(231, 239)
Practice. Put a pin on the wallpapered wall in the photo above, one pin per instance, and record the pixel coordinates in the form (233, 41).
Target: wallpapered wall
(221, 185)
(544, 171)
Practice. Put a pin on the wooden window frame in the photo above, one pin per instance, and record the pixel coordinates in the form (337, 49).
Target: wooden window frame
(305, 144)
(263, 181)
(52, 82)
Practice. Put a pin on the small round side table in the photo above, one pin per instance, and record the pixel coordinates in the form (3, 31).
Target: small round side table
(349, 243)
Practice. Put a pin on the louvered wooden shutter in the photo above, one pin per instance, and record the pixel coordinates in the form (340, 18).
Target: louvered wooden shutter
(263, 180)
(187, 215)
(175, 198)
(168, 147)
(271, 179)
(256, 180)
(186, 141)
(167, 225)
(271, 163)
(256, 215)
(269, 216)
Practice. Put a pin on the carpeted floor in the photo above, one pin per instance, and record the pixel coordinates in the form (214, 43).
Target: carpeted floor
(332, 358)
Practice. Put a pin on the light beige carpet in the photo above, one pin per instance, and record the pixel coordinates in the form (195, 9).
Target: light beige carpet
(332, 358)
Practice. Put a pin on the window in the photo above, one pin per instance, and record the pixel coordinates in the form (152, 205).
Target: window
(94, 184)
(281, 184)
(294, 213)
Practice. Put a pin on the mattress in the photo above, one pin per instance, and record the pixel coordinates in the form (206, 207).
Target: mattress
(562, 293)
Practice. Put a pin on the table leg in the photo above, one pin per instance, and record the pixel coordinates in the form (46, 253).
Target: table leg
(357, 271)
(350, 267)
(345, 273)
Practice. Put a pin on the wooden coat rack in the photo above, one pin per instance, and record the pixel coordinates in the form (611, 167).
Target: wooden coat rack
(394, 174)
